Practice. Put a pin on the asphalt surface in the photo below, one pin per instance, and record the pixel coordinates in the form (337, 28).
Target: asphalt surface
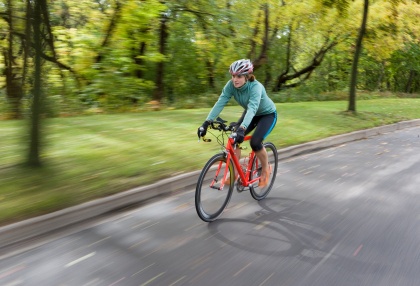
(346, 215)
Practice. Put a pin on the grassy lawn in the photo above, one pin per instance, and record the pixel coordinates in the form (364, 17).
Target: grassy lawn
(94, 156)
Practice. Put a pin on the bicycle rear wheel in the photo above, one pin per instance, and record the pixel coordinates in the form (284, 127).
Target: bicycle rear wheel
(210, 200)
(257, 192)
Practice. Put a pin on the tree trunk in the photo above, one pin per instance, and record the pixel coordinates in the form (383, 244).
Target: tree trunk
(408, 86)
(357, 52)
(381, 77)
(163, 37)
(110, 31)
(262, 57)
(34, 146)
(210, 75)
(14, 92)
(139, 60)
(13, 83)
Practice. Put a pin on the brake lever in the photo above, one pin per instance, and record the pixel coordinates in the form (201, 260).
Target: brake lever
(204, 139)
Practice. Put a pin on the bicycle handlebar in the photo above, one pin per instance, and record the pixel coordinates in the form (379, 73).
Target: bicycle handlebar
(220, 124)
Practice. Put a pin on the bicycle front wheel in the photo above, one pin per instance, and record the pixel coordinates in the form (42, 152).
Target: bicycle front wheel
(257, 192)
(211, 198)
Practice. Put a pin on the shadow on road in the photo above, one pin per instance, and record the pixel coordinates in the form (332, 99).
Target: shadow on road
(283, 228)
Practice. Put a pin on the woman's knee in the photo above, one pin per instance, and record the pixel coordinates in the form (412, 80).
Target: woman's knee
(256, 144)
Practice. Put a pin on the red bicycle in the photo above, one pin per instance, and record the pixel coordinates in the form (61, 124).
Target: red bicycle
(217, 179)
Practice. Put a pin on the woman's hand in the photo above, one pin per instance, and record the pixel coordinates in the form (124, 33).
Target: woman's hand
(240, 135)
(202, 130)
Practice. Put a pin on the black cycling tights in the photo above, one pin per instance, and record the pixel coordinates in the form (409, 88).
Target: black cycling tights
(263, 125)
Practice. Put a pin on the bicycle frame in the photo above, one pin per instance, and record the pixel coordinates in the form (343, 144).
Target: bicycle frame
(231, 156)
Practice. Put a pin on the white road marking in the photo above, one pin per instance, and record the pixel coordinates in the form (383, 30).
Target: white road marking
(79, 260)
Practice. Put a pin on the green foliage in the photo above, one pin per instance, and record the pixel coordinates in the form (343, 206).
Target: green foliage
(407, 58)
(111, 49)
(341, 5)
(405, 68)
(186, 70)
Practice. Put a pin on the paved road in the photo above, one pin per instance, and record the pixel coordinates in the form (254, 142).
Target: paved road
(348, 215)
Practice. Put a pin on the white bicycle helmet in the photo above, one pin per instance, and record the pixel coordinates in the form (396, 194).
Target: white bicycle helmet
(241, 67)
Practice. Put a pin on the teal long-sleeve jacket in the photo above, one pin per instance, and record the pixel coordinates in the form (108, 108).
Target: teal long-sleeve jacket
(252, 96)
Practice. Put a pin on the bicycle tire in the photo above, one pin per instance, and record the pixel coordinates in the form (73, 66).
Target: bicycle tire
(260, 193)
(210, 202)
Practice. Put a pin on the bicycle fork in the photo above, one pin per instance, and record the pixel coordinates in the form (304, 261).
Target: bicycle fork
(224, 177)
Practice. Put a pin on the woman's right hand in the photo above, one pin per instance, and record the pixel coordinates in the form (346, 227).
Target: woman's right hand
(202, 130)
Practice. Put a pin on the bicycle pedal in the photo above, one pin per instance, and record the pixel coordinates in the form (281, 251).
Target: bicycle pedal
(217, 188)
(240, 188)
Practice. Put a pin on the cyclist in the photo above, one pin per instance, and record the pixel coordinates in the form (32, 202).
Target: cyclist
(259, 114)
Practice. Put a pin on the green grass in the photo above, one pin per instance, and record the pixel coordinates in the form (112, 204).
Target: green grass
(94, 156)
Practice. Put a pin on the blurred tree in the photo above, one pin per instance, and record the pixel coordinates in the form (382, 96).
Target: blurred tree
(287, 46)
(357, 53)
(391, 27)
(342, 6)
(382, 39)
(11, 53)
(404, 62)
(405, 67)
(39, 11)
(203, 16)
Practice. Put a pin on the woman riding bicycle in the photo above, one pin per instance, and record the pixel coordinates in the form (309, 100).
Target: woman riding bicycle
(259, 114)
